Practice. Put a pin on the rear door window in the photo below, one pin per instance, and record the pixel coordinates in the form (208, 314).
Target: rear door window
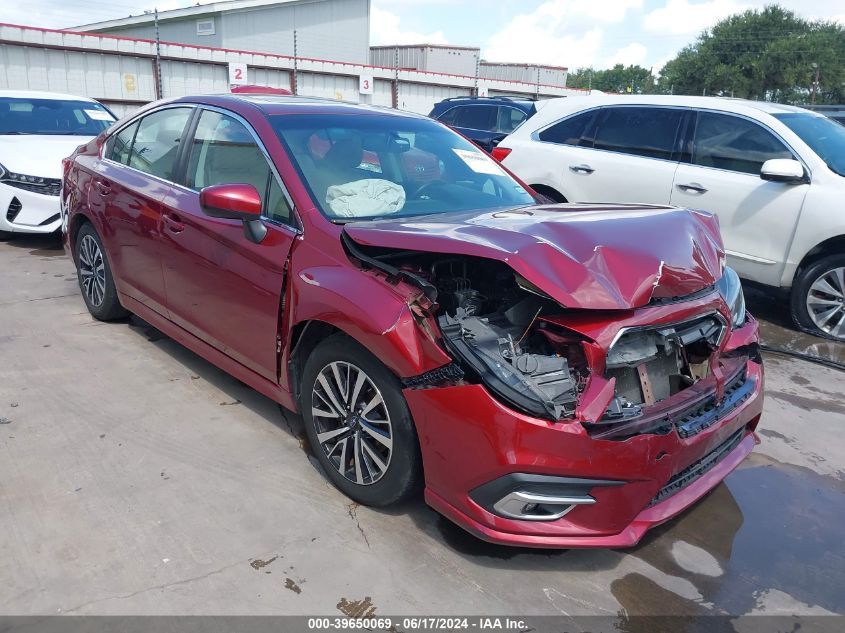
(733, 143)
(569, 131)
(157, 142)
(640, 131)
(478, 117)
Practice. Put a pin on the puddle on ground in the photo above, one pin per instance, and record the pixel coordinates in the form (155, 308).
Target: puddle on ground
(777, 330)
(769, 526)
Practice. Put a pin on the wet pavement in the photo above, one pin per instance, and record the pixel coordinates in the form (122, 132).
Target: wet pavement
(771, 308)
(137, 478)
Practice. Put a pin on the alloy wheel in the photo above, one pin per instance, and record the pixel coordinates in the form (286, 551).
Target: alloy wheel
(352, 422)
(92, 268)
(826, 302)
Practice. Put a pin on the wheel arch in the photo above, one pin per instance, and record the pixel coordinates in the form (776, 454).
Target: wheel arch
(549, 192)
(304, 338)
(831, 246)
(77, 220)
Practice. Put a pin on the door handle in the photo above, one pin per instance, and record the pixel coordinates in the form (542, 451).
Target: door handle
(583, 168)
(174, 225)
(103, 187)
(691, 187)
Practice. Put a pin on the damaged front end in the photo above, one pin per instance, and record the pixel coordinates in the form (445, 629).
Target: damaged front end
(564, 421)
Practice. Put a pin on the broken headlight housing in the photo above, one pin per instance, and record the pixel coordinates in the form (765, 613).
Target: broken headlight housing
(731, 290)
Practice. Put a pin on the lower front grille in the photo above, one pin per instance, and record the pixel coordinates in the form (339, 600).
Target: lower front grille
(697, 469)
(14, 209)
(706, 414)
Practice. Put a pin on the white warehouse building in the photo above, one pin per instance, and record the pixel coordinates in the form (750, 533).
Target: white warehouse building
(338, 30)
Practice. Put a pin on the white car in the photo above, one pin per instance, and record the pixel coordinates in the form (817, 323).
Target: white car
(773, 174)
(38, 130)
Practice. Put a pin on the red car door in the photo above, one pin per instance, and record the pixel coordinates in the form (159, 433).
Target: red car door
(131, 200)
(222, 287)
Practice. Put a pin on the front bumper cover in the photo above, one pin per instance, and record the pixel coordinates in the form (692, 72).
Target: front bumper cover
(469, 440)
(23, 211)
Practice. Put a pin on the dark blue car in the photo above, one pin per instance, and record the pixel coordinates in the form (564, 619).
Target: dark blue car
(483, 120)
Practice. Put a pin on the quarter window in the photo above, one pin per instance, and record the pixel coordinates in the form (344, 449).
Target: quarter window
(121, 144)
(733, 143)
(569, 131)
(649, 132)
(157, 142)
(224, 152)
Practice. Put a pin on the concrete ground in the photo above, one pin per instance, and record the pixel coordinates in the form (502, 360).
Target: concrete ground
(136, 478)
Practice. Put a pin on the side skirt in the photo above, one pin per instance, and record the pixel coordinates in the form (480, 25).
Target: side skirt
(209, 353)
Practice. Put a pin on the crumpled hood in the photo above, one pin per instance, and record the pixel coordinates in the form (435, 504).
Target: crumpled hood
(599, 256)
(38, 154)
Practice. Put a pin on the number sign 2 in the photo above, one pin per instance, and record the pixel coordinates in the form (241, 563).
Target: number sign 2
(237, 74)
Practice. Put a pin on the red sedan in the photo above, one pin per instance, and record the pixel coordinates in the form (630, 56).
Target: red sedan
(552, 375)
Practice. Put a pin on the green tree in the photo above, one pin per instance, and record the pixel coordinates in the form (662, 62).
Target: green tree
(768, 54)
(620, 78)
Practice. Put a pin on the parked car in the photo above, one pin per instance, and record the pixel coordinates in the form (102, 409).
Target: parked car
(38, 130)
(484, 120)
(256, 89)
(773, 174)
(554, 376)
(835, 112)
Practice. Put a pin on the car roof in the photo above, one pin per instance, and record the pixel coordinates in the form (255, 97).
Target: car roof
(38, 94)
(727, 104)
(290, 104)
(454, 101)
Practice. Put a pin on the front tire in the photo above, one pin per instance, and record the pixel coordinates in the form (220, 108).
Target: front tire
(358, 424)
(818, 298)
(95, 276)
(5, 236)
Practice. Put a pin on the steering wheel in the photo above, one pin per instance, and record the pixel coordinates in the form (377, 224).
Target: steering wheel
(425, 187)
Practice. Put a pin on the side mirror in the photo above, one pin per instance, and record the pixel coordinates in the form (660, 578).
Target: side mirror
(783, 170)
(235, 202)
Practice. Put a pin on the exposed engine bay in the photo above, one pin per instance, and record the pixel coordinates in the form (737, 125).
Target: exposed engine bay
(510, 336)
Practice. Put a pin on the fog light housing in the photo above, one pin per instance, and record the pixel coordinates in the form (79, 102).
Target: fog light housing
(528, 506)
(531, 497)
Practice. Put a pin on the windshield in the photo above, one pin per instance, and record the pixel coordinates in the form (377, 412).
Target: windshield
(372, 166)
(825, 137)
(52, 116)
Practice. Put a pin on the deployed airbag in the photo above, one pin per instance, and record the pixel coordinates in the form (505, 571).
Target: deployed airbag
(365, 198)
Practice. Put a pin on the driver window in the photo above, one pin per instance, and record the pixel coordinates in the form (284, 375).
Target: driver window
(224, 152)
(733, 143)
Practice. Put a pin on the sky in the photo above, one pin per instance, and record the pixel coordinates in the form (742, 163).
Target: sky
(571, 33)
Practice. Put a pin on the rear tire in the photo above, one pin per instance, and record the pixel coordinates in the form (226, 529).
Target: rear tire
(95, 277)
(366, 442)
(818, 298)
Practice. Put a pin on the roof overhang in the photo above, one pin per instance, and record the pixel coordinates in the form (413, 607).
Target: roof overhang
(186, 12)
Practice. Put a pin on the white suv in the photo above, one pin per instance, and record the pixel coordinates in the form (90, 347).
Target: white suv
(38, 130)
(773, 174)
